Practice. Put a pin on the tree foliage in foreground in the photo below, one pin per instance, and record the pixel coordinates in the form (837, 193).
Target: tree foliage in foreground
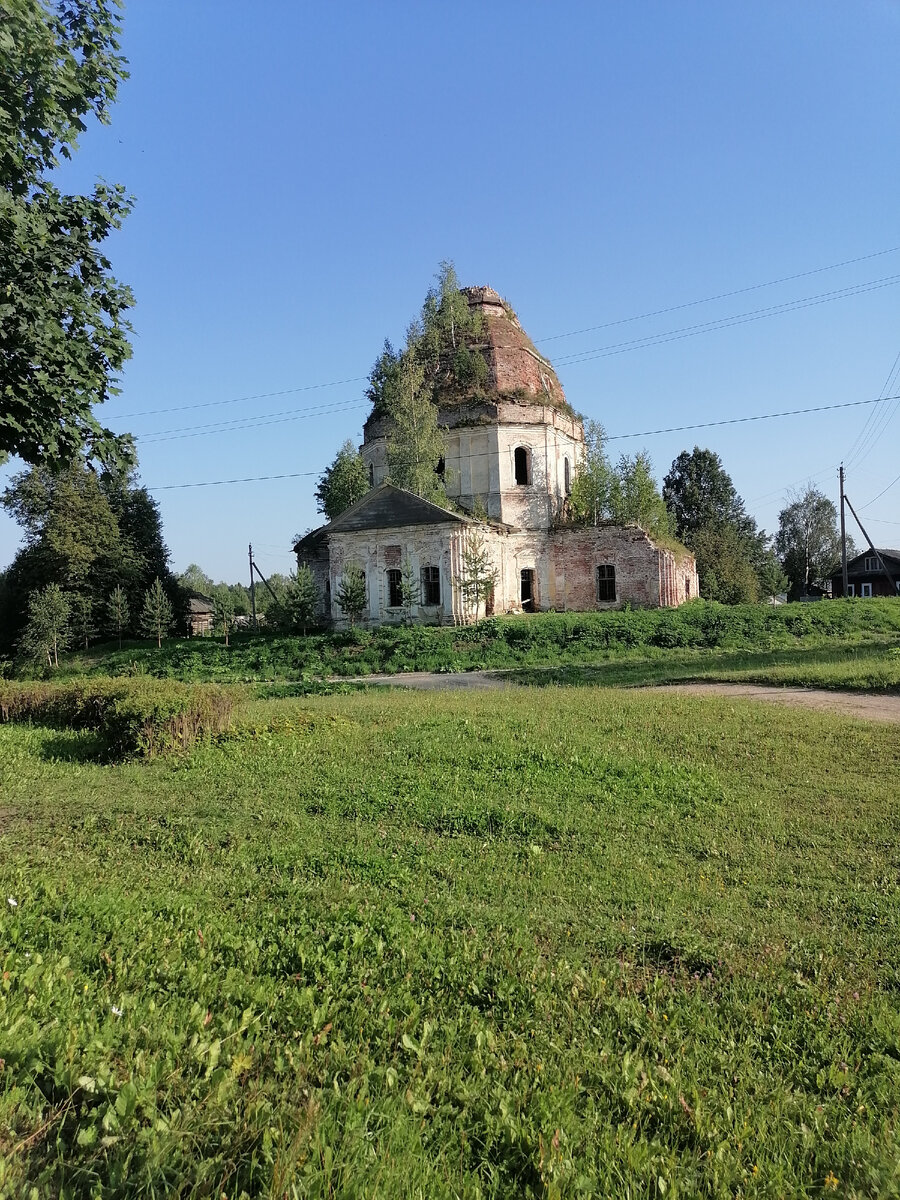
(63, 329)
(157, 616)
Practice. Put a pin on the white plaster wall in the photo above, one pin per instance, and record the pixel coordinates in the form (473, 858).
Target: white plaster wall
(376, 551)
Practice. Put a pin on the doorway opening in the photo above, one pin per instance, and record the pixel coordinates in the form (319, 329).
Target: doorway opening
(527, 589)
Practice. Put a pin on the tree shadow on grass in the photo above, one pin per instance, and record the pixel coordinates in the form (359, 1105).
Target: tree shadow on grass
(73, 746)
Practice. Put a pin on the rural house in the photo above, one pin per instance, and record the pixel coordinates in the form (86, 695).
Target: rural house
(512, 452)
(866, 577)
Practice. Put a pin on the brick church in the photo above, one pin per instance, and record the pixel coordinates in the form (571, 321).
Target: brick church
(512, 452)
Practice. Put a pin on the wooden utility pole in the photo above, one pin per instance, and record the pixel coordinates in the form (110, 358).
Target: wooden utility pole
(252, 590)
(843, 537)
(884, 566)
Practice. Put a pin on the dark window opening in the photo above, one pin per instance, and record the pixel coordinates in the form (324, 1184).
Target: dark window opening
(527, 592)
(871, 564)
(441, 467)
(567, 473)
(687, 586)
(606, 584)
(431, 585)
(522, 463)
(395, 588)
(371, 474)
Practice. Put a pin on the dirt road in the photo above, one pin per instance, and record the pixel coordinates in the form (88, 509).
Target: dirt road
(867, 706)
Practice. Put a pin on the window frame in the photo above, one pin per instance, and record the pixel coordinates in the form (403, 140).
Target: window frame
(394, 577)
(426, 584)
(871, 564)
(604, 576)
(863, 594)
(524, 451)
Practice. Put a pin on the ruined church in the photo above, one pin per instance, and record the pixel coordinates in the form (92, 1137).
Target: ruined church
(513, 450)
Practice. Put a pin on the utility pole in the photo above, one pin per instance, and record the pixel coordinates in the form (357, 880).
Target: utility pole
(884, 566)
(843, 537)
(252, 590)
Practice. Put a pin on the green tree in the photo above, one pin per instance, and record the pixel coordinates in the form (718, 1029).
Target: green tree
(710, 518)
(63, 331)
(808, 541)
(478, 576)
(117, 612)
(194, 579)
(157, 616)
(699, 494)
(415, 444)
(635, 497)
(591, 498)
(83, 625)
(725, 571)
(304, 599)
(47, 629)
(344, 482)
(410, 591)
(224, 611)
(352, 597)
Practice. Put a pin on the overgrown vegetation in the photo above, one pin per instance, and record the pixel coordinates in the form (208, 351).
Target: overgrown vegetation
(481, 946)
(696, 633)
(140, 717)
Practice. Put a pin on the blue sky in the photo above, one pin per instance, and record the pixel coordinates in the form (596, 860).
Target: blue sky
(300, 170)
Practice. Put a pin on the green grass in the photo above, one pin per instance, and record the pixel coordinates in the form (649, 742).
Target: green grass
(842, 645)
(868, 668)
(483, 945)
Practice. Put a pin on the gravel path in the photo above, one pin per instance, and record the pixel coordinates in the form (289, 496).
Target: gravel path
(867, 706)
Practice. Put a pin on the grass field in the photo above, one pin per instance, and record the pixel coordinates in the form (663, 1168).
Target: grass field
(848, 645)
(582, 943)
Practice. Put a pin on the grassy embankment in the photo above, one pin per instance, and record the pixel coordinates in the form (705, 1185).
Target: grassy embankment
(378, 945)
(845, 645)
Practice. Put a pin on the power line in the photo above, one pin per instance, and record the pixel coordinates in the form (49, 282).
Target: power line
(309, 387)
(613, 438)
(758, 314)
(572, 333)
(881, 493)
(174, 435)
(721, 296)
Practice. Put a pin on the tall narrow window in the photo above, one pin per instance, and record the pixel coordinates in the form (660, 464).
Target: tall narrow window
(606, 584)
(371, 474)
(567, 474)
(431, 585)
(871, 564)
(522, 465)
(866, 589)
(395, 588)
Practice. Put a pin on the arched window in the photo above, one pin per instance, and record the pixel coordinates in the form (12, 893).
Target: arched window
(567, 476)
(522, 465)
(371, 474)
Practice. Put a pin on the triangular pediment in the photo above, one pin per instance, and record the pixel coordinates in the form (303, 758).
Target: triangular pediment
(388, 507)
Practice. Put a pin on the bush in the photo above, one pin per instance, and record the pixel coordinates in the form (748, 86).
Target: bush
(141, 717)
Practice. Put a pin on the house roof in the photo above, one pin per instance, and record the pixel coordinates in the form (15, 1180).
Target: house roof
(859, 559)
(201, 605)
(384, 507)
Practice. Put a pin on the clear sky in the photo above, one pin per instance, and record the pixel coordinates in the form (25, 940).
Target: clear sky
(301, 169)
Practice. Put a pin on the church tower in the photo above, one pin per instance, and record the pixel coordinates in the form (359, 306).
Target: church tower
(513, 442)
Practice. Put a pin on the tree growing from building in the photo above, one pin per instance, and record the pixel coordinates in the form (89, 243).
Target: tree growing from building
(478, 576)
(64, 332)
(344, 482)
(352, 597)
(47, 629)
(157, 617)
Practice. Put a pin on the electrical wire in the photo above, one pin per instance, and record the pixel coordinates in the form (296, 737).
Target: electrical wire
(880, 494)
(613, 438)
(721, 296)
(759, 314)
(571, 333)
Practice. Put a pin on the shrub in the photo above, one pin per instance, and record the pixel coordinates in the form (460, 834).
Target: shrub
(140, 716)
